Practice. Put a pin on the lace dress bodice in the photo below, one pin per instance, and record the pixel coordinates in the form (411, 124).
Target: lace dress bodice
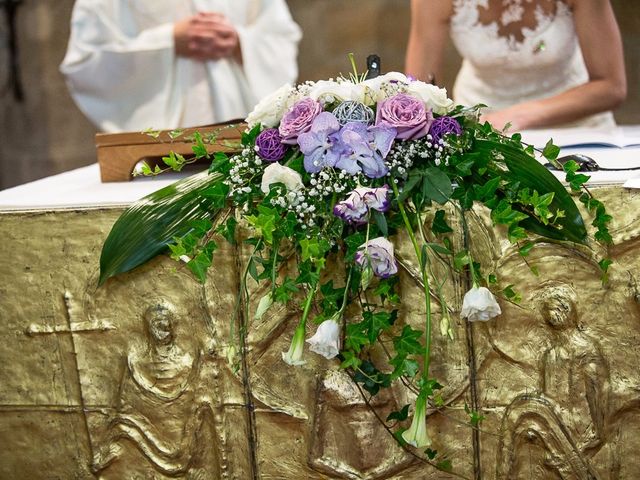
(517, 50)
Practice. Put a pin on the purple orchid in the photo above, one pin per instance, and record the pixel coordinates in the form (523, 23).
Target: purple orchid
(377, 254)
(363, 149)
(355, 207)
(318, 143)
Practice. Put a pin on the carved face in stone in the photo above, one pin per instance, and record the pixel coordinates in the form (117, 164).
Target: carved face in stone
(557, 306)
(160, 323)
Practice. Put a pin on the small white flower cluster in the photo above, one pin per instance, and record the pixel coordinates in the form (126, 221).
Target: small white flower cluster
(296, 201)
(246, 167)
(404, 155)
(328, 181)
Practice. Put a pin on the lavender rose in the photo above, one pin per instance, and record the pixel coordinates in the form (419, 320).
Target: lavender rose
(406, 114)
(270, 146)
(377, 254)
(298, 120)
(354, 208)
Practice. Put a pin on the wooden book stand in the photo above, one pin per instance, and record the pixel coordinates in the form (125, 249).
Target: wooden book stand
(119, 153)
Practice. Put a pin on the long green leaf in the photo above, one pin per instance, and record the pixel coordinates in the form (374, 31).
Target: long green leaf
(534, 175)
(146, 228)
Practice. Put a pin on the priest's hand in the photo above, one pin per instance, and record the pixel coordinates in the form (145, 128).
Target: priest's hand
(207, 36)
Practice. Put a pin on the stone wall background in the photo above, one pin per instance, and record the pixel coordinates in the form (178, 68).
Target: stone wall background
(46, 134)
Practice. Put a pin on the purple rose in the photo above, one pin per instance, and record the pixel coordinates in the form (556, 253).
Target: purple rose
(377, 254)
(270, 146)
(363, 149)
(354, 208)
(298, 120)
(442, 126)
(406, 114)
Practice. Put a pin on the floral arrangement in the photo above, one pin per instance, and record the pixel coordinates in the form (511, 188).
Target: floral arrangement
(337, 171)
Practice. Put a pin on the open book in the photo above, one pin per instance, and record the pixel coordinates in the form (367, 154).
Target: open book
(619, 137)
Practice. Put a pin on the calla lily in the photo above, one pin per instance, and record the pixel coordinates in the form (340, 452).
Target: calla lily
(417, 435)
(294, 355)
(326, 341)
(479, 304)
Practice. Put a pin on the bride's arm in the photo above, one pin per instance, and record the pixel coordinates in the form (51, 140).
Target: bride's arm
(606, 88)
(428, 38)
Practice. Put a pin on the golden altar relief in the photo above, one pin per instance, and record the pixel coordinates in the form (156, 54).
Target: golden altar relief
(143, 377)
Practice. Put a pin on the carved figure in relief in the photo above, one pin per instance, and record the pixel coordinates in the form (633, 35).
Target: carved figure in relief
(567, 419)
(347, 440)
(159, 410)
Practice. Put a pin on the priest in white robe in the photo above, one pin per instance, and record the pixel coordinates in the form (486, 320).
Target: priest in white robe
(138, 64)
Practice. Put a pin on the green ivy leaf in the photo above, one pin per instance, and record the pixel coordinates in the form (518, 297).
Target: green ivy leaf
(378, 322)
(217, 194)
(445, 465)
(175, 161)
(285, 292)
(220, 163)
(202, 261)
(350, 360)
(407, 343)
(264, 222)
(439, 224)
(550, 151)
(436, 185)
(399, 415)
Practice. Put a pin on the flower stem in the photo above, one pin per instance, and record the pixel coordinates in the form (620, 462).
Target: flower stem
(425, 280)
(345, 295)
(274, 270)
(307, 304)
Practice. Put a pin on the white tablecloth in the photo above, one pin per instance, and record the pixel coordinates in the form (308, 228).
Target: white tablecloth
(83, 188)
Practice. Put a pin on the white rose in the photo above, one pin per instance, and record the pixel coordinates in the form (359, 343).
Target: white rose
(270, 109)
(479, 304)
(276, 173)
(326, 341)
(328, 91)
(433, 97)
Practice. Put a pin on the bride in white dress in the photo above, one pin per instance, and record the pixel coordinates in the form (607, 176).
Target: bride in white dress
(535, 63)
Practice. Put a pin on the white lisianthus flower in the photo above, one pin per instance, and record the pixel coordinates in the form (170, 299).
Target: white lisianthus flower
(391, 81)
(294, 355)
(479, 304)
(326, 341)
(276, 173)
(270, 109)
(328, 91)
(417, 435)
(433, 97)
(390, 77)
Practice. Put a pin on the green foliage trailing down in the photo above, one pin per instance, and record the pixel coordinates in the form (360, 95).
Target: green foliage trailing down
(337, 183)
(146, 228)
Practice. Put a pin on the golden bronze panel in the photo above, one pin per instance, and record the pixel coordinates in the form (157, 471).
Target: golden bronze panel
(140, 378)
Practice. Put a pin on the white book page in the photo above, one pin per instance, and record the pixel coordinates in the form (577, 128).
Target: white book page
(619, 137)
